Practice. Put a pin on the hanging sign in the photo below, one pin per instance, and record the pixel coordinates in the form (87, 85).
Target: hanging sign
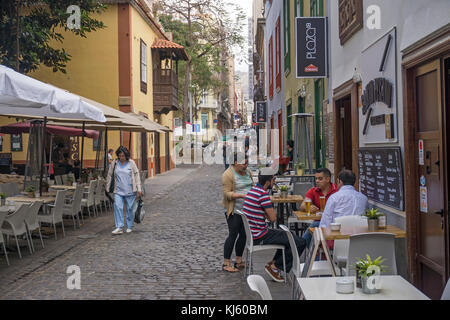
(421, 156)
(312, 49)
(261, 111)
(423, 199)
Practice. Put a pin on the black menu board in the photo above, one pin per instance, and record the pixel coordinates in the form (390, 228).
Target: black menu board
(381, 175)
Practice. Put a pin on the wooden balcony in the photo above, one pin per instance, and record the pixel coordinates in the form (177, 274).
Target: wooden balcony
(165, 91)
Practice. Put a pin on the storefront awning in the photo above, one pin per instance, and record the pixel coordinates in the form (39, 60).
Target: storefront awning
(24, 127)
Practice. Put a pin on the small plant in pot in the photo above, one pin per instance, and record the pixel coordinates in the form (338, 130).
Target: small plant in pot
(284, 191)
(69, 181)
(45, 186)
(372, 219)
(299, 166)
(366, 269)
(3, 198)
(30, 190)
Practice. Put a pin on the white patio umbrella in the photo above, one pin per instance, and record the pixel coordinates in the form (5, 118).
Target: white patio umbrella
(23, 95)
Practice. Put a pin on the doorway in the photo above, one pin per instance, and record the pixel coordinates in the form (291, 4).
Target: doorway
(344, 133)
(431, 174)
(157, 154)
(144, 151)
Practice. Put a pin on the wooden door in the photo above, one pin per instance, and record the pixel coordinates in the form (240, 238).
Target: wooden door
(430, 221)
(344, 134)
(157, 154)
(144, 151)
(280, 133)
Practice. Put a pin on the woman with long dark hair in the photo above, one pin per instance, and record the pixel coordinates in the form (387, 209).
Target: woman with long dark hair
(124, 173)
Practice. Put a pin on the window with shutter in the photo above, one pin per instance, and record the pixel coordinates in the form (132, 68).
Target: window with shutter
(143, 67)
(278, 54)
(287, 37)
(271, 67)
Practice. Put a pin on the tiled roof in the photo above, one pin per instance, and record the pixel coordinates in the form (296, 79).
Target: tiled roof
(165, 44)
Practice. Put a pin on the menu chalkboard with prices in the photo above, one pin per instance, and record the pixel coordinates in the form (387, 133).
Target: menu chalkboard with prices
(381, 175)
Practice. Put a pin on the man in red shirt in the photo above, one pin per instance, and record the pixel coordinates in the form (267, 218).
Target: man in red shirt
(324, 187)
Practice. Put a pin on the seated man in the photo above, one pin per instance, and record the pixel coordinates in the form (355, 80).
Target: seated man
(346, 202)
(324, 187)
(257, 207)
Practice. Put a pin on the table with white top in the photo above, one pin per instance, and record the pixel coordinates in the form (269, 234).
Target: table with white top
(392, 288)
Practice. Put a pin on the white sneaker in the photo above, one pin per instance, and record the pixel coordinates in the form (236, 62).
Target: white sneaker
(117, 231)
(129, 230)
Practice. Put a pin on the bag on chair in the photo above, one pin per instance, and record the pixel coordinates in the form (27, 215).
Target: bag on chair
(139, 212)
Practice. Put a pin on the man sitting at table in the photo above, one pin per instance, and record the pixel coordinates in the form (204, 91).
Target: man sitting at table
(257, 207)
(346, 202)
(324, 187)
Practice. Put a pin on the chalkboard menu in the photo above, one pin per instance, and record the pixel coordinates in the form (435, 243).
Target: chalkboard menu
(381, 175)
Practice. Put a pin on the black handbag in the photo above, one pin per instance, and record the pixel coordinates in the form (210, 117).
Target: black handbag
(139, 211)
(113, 180)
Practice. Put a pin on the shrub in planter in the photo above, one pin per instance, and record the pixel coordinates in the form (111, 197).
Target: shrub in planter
(2, 198)
(30, 190)
(366, 269)
(284, 191)
(372, 219)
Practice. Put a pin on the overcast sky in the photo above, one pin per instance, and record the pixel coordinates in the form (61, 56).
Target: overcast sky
(247, 6)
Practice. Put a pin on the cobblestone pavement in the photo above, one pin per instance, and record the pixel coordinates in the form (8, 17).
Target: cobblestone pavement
(176, 253)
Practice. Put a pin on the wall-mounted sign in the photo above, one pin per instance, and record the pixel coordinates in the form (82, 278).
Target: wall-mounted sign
(16, 142)
(312, 49)
(421, 154)
(378, 115)
(261, 111)
(423, 199)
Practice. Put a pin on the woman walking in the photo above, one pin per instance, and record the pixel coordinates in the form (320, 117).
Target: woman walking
(124, 175)
(237, 181)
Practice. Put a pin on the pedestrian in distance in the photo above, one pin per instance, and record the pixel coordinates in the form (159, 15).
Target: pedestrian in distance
(110, 156)
(237, 180)
(123, 174)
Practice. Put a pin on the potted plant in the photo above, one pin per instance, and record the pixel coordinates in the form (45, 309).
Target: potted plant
(3, 198)
(299, 168)
(69, 180)
(45, 186)
(367, 268)
(30, 190)
(95, 175)
(372, 219)
(284, 191)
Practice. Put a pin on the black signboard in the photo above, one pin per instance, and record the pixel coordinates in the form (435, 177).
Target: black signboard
(381, 175)
(312, 49)
(261, 111)
(16, 142)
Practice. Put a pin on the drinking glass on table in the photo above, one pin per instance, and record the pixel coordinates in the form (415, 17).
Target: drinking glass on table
(322, 204)
(308, 206)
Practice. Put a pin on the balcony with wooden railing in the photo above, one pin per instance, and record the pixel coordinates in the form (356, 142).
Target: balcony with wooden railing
(165, 91)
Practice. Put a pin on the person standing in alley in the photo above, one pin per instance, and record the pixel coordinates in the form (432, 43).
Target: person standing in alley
(237, 181)
(123, 174)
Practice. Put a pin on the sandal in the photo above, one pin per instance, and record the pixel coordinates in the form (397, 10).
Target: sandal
(240, 265)
(225, 266)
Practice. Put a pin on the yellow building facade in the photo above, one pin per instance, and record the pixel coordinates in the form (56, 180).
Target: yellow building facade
(110, 66)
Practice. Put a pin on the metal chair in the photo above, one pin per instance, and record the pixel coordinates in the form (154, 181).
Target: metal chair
(2, 241)
(258, 284)
(64, 179)
(89, 200)
(98, 194)
(73, 208)
(14, 225)
(11, 189)
(58, 180)
(446, 293)
(340, 250)
(251, 248)
(300, 188)
(32, 223)
(56, 212)
(319, 268)
(374, 244)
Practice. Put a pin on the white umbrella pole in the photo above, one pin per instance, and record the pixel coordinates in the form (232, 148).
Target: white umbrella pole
(42, 156)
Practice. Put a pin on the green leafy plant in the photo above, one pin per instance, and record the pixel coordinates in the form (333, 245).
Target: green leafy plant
(362, 266)
(2, 195)
(30, 189)
(371, 214)
(299, 165)
(284, 188)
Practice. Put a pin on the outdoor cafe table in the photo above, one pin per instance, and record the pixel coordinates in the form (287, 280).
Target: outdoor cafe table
(392, 288)
(46, 200)
(284, 202)
(346, 232)
(62, 187)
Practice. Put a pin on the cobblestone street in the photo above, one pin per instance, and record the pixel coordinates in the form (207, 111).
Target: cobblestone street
(176, 253)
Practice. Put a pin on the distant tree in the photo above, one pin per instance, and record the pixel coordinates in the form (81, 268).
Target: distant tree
(207, 29)
(29, 27)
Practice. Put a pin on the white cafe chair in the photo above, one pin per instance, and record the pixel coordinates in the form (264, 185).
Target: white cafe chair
(259, 285)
